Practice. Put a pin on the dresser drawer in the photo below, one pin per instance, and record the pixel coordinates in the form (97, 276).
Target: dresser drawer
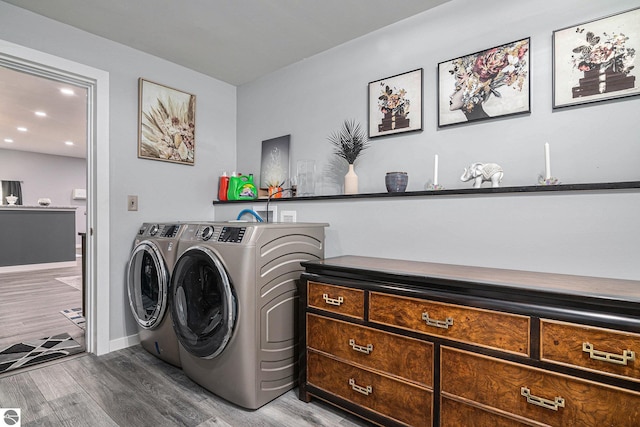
(532, 393)
(337, 299)
(394, 354)
(503, 331)
(596, 349)
(395, 399)
(457, 414)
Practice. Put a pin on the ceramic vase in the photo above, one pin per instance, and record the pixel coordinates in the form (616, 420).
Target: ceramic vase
(396, 182)
(351, 181)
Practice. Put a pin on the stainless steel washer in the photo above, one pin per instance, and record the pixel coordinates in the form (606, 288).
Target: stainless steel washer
(148, 278)
(234, 298)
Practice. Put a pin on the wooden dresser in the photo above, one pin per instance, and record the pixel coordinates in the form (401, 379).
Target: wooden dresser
(422, 344)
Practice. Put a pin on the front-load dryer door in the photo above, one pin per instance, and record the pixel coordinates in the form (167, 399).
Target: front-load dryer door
(147, 284)
(204, 303)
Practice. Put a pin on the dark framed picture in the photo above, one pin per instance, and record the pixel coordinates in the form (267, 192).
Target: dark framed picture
(594, 61)
(484, 85)
(274, 163)
(166, 124)
(395, 104)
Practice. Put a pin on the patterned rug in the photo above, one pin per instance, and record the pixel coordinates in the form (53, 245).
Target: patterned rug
(38, 351)
(76, 316)
(73, 281)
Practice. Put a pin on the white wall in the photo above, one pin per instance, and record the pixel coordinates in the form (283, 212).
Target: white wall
(591, 234)
(166, 191)
(43, 175)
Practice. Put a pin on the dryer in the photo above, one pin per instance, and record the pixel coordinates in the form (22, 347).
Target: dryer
(148, 279)
(234, 297)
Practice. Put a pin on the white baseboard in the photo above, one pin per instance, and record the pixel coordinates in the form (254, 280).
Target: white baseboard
(124, 342)
(32, 267)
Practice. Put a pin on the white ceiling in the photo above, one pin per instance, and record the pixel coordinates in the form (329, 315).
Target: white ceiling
(23, 94)
(235, 41)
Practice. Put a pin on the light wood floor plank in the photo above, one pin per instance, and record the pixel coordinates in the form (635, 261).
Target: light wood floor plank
(130, 387)
(31, 301)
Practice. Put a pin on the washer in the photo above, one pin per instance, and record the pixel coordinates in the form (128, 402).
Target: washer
(148, 279)
(235, 295)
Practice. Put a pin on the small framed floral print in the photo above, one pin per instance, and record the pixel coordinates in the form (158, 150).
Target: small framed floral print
(594, 61)
(395, 104)
(486, 84)
(166, 123)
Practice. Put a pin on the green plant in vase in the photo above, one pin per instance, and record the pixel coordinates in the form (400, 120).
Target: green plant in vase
(349, 143)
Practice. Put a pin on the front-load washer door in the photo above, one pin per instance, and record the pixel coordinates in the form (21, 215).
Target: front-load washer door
(204, 303)
(147, 284)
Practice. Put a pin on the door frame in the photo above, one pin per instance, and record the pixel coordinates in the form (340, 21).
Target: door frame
(96, 82)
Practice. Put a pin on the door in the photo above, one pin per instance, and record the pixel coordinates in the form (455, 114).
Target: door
(147, 284)
(204, 305)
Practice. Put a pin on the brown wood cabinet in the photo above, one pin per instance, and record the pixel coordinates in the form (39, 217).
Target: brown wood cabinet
(404, 343)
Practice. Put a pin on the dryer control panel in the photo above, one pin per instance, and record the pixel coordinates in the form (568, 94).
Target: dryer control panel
(217, 233)
(232, 234)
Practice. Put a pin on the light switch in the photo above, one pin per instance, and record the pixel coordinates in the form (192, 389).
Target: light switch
(132, 203)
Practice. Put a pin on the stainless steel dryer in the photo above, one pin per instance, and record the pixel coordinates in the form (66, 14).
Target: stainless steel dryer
(148, 278)
(234, 298)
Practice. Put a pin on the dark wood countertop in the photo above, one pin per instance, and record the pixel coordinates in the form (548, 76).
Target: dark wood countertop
(451, 277)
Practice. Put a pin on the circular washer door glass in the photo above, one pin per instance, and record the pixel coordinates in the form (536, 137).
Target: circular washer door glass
(203, 303)
(147, 284)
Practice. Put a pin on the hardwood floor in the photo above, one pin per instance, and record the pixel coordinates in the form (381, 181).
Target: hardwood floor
(130, 387)
(30, 305)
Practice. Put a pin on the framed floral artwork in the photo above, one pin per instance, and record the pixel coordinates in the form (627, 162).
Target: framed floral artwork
(483, 85)
(594, 61)
(395, 104)
(166, 125)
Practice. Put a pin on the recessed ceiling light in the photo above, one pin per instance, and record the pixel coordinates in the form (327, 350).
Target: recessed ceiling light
(67, 91)
(41, 114)
(22, 129)
(68, 143)
(8, 140)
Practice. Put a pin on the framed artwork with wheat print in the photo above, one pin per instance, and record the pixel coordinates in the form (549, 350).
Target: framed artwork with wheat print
(484, 85)
(594, 61)
(166, 125)
(395, 104)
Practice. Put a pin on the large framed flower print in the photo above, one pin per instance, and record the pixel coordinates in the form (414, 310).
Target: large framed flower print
(594, 61)
(484, 85)
(166, 125)
(395, 104)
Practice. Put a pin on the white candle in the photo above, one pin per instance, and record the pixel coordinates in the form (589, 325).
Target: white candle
(435, 171)
(547, 161)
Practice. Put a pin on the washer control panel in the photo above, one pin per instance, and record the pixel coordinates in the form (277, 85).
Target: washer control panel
(168, 231)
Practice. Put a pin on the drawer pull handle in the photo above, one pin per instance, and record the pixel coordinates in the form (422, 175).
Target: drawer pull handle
(362, 349)
(364, 390)
(557, 402)
(627, 355)
(332, 301)
(444, 324)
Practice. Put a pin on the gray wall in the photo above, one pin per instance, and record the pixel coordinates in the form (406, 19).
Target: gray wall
(53, 177)
(591, 234)
(166, 191)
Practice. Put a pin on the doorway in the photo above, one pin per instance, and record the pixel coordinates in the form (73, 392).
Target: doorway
(96, 84)
(43, 126)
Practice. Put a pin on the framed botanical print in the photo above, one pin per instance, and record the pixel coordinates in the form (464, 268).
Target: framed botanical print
(166, 123)
(484, 85)
(274, 163)
(594, 61)
(395, 104)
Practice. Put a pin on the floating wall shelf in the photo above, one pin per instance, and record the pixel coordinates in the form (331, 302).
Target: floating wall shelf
(628, 185)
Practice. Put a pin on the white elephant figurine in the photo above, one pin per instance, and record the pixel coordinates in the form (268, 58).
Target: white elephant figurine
(481, 172)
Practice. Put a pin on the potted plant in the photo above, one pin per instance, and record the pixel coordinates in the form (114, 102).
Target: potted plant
(349, 143)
